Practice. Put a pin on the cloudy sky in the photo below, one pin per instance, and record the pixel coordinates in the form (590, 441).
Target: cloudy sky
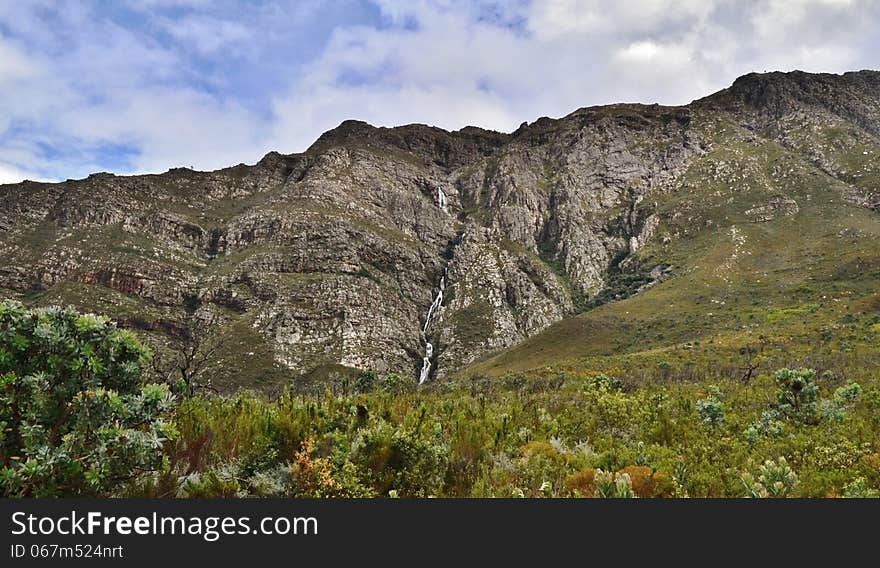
(143, 85)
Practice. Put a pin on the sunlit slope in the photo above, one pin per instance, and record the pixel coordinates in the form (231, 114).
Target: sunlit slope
(764, 248)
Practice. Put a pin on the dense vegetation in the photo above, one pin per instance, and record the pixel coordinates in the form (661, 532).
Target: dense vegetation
(75, 421)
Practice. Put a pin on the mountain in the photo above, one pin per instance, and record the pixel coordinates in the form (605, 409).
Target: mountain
(641, 236)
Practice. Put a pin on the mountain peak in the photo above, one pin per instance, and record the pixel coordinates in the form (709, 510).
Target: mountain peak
(779, 92)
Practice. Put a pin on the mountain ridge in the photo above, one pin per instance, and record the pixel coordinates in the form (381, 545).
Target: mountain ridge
(349, 125)
(326, 262)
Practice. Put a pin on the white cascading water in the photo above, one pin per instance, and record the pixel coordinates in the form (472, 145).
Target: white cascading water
(435, 305)
(441, 199)
(429, 348)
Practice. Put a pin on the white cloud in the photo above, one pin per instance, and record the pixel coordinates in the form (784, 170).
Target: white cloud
(13, 64)
(640, 52)
(77, 86)
(210, 35)
(304, 115)
(12, 174)
(655, 57)
(560, 18)
(113, 88)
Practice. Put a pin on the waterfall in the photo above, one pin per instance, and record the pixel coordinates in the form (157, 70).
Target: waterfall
(441, 199)
(429, 347)
(427, 360)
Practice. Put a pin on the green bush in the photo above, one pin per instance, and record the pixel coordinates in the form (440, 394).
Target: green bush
(710, 409)
(74, 418)
(843, 399)
(507, 440)
(798, 398)
(768, 425)
(395, 384)
(613, 485)
(393, 459)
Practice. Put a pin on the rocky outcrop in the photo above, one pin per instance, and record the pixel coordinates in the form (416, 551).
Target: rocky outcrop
(778, 206)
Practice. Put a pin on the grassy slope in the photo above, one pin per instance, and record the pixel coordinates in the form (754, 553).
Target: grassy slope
(799, 280)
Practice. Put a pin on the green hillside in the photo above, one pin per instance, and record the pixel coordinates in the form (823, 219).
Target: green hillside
(800, 287)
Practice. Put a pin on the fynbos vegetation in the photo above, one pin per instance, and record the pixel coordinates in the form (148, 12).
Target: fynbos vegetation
(77, 421)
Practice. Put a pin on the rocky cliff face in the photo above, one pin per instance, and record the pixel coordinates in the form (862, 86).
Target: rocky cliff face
(832, 120)
(330, 259)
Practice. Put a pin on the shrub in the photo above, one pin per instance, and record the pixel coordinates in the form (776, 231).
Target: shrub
(394, 459)
(710, 409)
(648, 483)
(313, 476)
(540, 462)
(858, 489)
(395, 384)
(768, 425)
(613, 486)
(774, 479)
(610, 411)
(74, 418)
(219, 481)
(582, 483)
(797, 396)
(603, 382)
(365, 382)
(843, 399)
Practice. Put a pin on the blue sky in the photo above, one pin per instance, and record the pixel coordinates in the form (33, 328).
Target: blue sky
(144, 85)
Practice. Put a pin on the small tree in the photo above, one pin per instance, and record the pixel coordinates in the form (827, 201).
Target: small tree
(74, 418)
(192, 349)
(753, 358)
(396, 384)
(798, 394)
